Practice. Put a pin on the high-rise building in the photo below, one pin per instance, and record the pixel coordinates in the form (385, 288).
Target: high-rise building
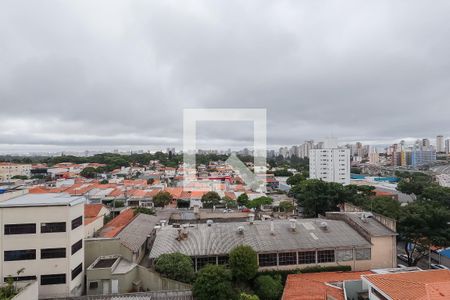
(447, 146)
(426, 144)
(331, 164)
(440, 144)
(43, 235)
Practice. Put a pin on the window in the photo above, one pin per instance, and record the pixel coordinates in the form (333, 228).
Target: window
(307, 257)
(325, 256)
(286, 259)
(268, 260)
(53, 227)
(363, 254)
(203, 261)
(77, 246)
(344, 255)
(21, 278)
(53, 279)
(223, 260)
(93, 285)
(77, 222)
(77, 271)
(53, 253)
(20, 228)
(20, 255)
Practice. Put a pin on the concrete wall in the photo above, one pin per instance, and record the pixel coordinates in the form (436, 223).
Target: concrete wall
(137, 279)
(96, 247)
(384, 252)
(29, 290)
(91, 228)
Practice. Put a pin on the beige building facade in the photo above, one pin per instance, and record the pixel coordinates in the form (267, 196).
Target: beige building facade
(9, 170)
(43, 235)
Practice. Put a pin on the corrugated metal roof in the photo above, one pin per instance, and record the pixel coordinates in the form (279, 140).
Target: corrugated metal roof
(220, 238)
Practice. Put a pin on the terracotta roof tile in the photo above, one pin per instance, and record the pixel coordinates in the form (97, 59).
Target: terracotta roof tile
(113, 227)
(315, 286)
(421, 285)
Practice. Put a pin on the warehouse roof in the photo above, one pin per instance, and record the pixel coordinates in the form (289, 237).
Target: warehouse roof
(220, 238)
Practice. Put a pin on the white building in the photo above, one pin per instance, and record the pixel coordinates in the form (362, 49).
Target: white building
(43, 235)
(330, 164)
(9, 170)
(440, 144)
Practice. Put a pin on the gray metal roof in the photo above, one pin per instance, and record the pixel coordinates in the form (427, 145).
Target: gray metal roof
(135, 234)
(370, 225)
(220, 238)
(49, 199)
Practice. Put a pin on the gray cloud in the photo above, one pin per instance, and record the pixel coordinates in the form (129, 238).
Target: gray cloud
(115, 73)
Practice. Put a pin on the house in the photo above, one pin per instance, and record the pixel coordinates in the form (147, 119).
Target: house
(318, 286)
(94, 215)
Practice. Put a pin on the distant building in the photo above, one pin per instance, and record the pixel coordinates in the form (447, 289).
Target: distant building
(440, 144)
(43, 234)
(447, 146)
(330, 164)
(9, 170)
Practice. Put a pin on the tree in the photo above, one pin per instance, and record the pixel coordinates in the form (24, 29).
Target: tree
(437, 194)
(422, 225)
(296, 179)
(268, 288)
(144, 210)
(286, 206)
(317, 196)
(244, 296)
(104, 181)
(385, 206)
(88, 172)
(176, 266)
(257, 202)
(213, 282)
(150, 181)
(243, 263)
(210, 199)
(230, 203)
(242, 200)
(282, 173)
(162, 199)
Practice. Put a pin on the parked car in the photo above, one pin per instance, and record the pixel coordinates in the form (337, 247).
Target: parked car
(439, 267)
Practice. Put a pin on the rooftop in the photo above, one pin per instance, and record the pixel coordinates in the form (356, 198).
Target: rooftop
(50, 199)
(113, 227)
(220, 238)
(318, 286)
(421, 285)
(137, 231)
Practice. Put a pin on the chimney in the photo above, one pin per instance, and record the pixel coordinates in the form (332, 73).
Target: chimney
(293, 224)
(272, 227)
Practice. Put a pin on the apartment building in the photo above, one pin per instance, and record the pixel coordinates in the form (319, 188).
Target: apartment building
(331, 164)
(9, 170)
(43, 235)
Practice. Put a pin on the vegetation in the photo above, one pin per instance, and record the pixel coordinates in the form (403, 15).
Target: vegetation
(213, 282)
(176, 266)
(22, 177)
(242, 200)
(282, 173)
(258, 202)
(10, 290)
(144, 210)
(296, 179)
(89, 172)
(243, 263)
(286, 206)
(162, 199)
(210, 199)
(268, 287)
(245, 296)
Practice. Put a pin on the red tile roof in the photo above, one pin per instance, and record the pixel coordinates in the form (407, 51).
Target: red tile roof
(420, 285)
(92, 210)
(113, 227)
(316, 286)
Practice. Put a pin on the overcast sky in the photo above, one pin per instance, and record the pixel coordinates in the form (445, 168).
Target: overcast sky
(106, 74)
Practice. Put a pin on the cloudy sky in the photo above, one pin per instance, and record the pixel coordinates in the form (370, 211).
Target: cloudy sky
(107, 74)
